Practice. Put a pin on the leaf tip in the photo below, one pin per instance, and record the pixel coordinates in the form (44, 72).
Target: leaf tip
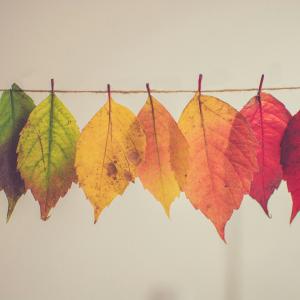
(266, 210)
(293, 215)
(295, 211)
(223, 238)
(8, 216)
(45, 212)
(167, 209)
(44, 217)
(97, 212)
(221, 232)
(11, 206)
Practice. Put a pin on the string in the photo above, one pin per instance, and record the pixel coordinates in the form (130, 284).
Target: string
(159, 91)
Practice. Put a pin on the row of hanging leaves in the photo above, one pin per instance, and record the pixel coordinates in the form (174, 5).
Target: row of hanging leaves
(214, 154)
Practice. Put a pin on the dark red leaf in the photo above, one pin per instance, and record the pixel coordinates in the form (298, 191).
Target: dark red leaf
(290, 160)
(268, 118)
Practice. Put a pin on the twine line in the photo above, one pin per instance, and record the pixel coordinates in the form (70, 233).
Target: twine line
(158, 91)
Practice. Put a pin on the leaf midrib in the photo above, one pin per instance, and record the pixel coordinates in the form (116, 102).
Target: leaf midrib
(157, 148)
(262, 147)
(50, 140)
(202, 123)
(12, 106)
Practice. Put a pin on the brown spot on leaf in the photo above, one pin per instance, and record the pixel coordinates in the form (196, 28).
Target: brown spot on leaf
(128, 176)
(134, 157)
(111, 170)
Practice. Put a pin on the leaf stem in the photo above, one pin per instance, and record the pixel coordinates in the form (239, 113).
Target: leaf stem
(109, 98)
(148, 90)
(109, 112)
(109, 91)
(260, 86)
(200, 83)
(52, 86)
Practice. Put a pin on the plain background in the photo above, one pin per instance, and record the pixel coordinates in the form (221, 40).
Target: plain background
(134, 252)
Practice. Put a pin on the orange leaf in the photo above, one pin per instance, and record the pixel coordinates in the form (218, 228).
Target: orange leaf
(163, 171)
(222, 157)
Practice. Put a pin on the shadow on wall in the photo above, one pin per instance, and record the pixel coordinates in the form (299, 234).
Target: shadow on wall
(162, 293)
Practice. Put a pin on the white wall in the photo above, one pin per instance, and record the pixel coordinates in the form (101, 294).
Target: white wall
(134, 252)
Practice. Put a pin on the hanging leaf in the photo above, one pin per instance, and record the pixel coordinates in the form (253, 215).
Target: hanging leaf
(15, 107)
(222, 157)
(290, 160)
(268, 119)
(109, 149)
(163, 172)
(46, 152)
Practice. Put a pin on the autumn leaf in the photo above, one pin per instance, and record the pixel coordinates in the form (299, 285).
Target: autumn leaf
(109, 149)
(15, 107)
(163, 171)
(46, 152)
(268, 119)
(290, 160)
(222, 157)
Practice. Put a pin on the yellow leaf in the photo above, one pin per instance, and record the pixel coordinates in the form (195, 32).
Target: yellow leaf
(108, 151)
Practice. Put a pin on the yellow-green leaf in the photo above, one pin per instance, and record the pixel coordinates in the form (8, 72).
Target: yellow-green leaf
(109, 149)
(46, 152)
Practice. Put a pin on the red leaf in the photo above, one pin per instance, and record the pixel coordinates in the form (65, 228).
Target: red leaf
(268, 119)
(290, 160)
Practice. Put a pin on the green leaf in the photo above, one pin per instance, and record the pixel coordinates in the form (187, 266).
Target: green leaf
(15, 107)
(46, 152)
